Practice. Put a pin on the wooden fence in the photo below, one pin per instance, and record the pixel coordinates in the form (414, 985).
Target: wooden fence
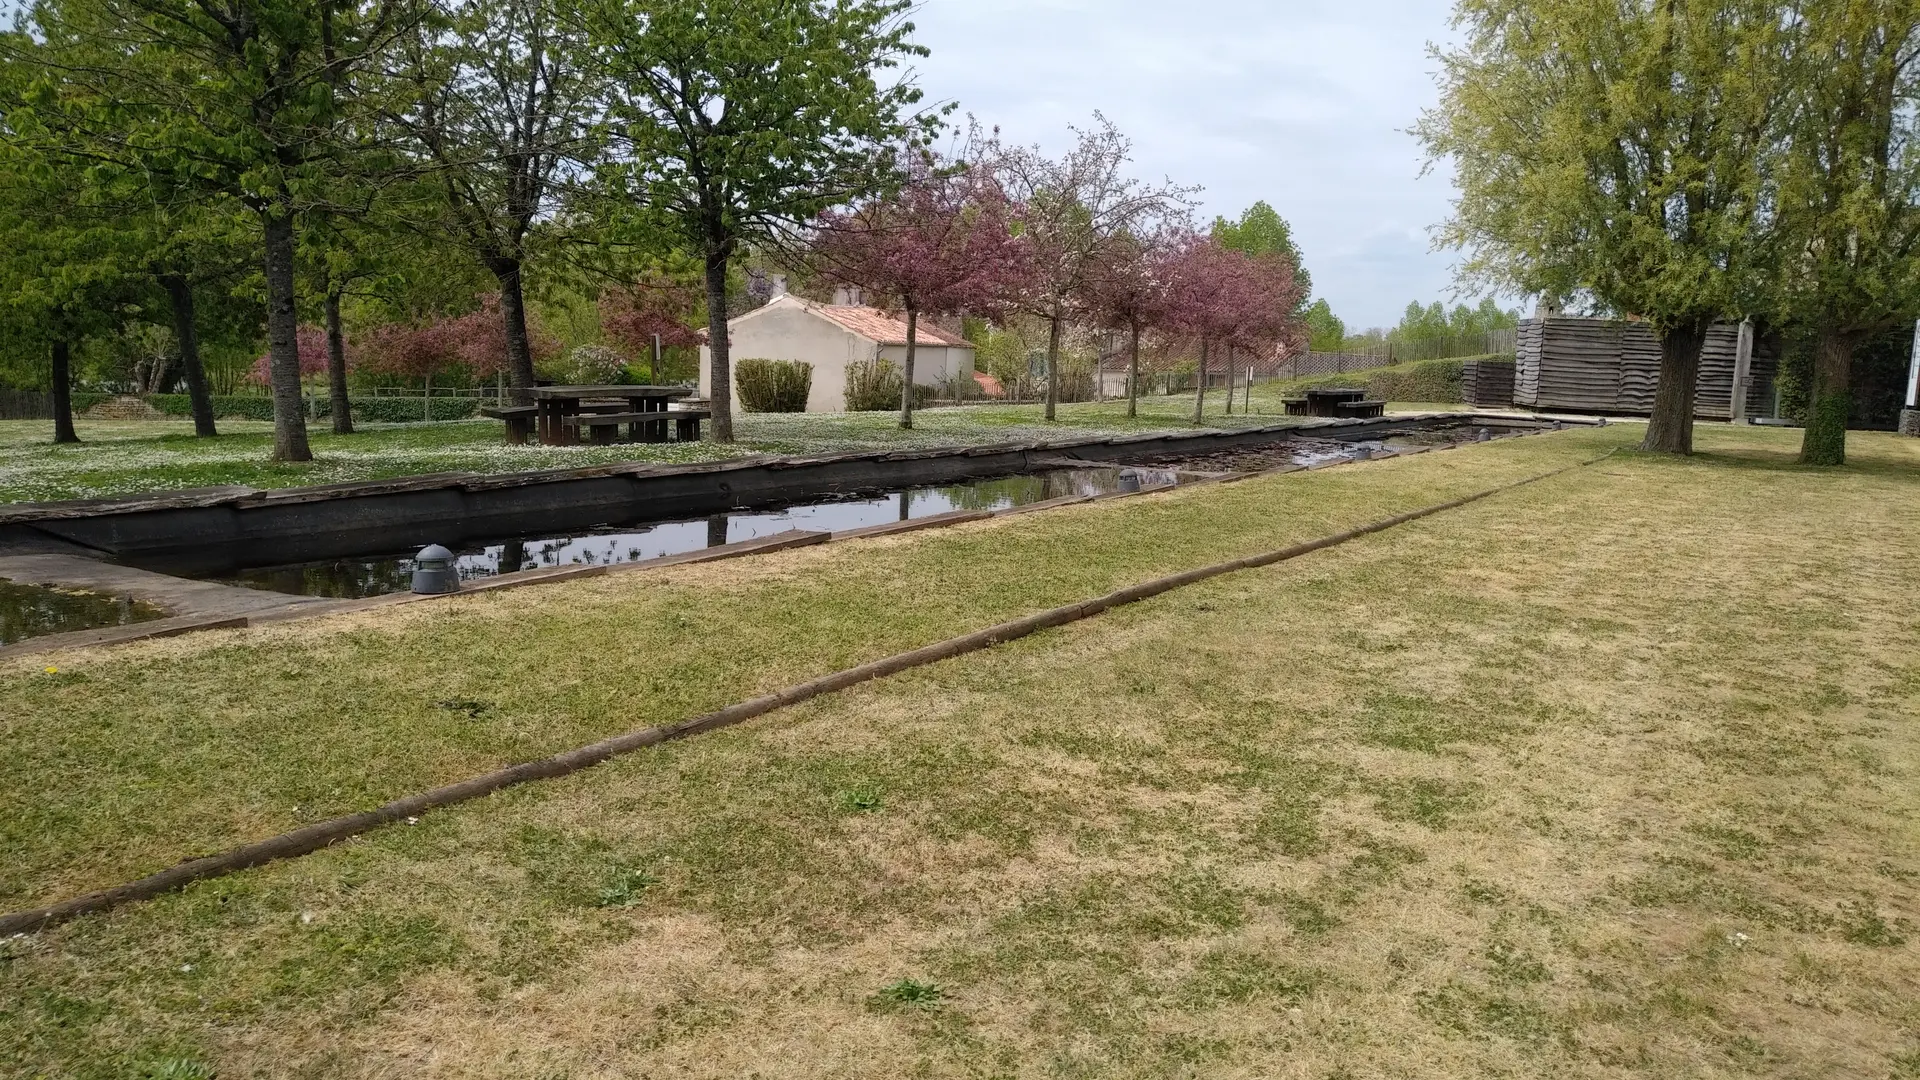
(25, 405)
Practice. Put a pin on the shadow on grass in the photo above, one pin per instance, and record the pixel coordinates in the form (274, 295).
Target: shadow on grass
(1784, 460)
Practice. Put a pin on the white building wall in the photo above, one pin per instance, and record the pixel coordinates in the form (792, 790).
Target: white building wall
(790, 332)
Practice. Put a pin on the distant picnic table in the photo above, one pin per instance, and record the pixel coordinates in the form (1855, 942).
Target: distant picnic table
(1334, 401)
(559, 412)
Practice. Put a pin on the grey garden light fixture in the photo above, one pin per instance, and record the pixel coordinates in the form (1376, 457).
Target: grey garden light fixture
(433, 572)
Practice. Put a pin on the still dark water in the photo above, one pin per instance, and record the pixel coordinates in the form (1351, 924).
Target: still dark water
(28, 611)
(378, 575)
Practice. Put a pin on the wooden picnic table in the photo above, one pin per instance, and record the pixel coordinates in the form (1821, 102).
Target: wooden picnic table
(560, 411)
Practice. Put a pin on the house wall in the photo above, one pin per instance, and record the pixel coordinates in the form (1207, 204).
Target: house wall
(793, 333)
(932, 364)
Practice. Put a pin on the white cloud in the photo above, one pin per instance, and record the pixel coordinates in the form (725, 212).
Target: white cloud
(1304, 104)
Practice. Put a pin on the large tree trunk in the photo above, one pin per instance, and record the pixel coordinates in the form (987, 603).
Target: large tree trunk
(720, 370)
(1670, 431)
(186, 329)
(283, 340)
(1200, 395)
(1133, 377)
(1831, 400)
(340, 404)
(63, 394)
(1053, 363)
(906, 378)
(513, 312)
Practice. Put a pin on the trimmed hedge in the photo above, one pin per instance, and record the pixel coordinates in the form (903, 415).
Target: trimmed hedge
(383, 410)
(874, 386)
(773, 386)
(1423, 380)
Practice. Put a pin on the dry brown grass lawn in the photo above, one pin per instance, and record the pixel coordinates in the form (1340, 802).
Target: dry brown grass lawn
(1617, 775)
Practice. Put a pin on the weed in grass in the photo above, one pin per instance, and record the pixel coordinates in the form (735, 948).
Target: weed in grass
(909, 994)
(860, 801)
(626, 889)
(473, 709)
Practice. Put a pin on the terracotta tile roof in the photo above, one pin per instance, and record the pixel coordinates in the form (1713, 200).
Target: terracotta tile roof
(883, 329)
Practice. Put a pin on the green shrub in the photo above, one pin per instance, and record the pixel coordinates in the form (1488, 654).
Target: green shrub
(872, 385)
(773, 386)
(1422, 380)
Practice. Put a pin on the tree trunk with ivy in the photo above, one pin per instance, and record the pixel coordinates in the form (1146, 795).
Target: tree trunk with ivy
(1829, 400)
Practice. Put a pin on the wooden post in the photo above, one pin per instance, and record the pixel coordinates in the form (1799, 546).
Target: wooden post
(1913, 371)
(1742, 372)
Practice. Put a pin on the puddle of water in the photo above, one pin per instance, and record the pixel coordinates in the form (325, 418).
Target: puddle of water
(379, 575)
(28, 611)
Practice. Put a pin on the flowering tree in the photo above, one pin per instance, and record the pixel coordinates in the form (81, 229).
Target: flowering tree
(475, 342)
(312, 342)
(1072, 208)
(944, 243)
(655, 306)
(1225, 297)
(1127, 289)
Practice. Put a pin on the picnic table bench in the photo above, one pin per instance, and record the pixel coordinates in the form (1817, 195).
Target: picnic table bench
(561, 411)
(519, 418)
(1333, 401)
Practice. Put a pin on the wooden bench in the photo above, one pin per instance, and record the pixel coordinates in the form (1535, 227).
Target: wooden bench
(642, 426)
(520, 421)
(686, 423)
(1361, 410)
(1297, 406)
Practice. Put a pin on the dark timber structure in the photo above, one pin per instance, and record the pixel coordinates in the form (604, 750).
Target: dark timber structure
(1607, 366)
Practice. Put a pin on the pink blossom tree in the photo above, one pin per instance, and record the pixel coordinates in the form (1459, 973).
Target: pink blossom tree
(312, 346)
(1127, 288)
(945, 243)
(1221, 296)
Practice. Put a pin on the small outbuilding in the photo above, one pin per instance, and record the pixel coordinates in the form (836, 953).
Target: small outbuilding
(832, 336)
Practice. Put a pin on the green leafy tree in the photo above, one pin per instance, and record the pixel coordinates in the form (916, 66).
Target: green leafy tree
(1615, 152)
(1325, 330)
(491, 101)
(250, 100)
(1849, 193)
(738, 120)
(1263, 233)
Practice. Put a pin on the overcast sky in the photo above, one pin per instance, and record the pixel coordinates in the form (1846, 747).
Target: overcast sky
(1303, 103)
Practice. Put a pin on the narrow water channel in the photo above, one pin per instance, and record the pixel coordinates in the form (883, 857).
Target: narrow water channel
(393, 572)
